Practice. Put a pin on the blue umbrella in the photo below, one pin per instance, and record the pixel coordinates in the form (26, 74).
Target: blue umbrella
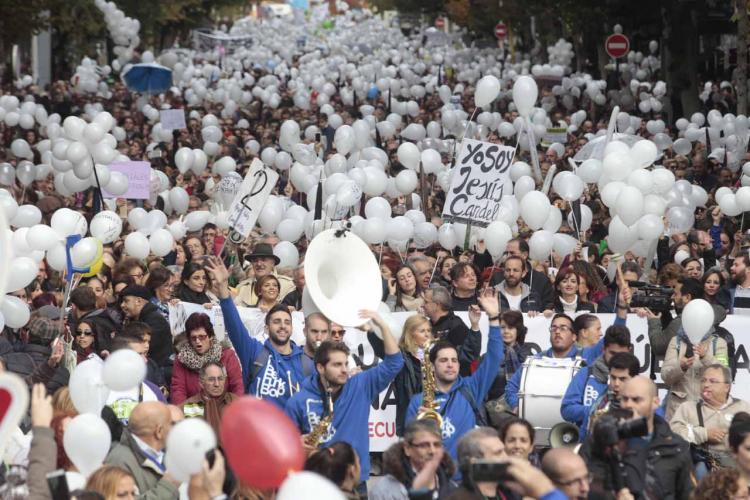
(148, 78)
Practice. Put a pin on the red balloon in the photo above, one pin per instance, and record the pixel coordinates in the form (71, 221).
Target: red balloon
(261, 442)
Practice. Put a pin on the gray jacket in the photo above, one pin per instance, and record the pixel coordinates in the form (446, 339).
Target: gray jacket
(148, 476)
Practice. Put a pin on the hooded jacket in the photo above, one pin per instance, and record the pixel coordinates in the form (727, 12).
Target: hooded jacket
(351, 409)
(458, 414)
(280, 370)
(589, 354)
(528, 296)
(587, 386)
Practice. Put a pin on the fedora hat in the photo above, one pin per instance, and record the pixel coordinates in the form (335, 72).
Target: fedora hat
(262, 250)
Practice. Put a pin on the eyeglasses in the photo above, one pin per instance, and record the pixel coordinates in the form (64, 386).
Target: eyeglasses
(136, 275)
(560, 328)
(80, 333)
(426, 445)
(215, 380)
(338, 332)
(581, 480)
(411, 250)
(198, 338)
(712, 381)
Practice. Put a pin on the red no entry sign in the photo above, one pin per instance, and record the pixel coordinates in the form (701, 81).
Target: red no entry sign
(617, 45)
(440, 22)
(500, 30)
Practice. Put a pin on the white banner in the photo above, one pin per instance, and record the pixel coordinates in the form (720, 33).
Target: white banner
(481, 177)
(383, 412)
(172, 119)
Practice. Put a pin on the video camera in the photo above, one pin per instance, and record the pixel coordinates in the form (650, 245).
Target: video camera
(654, 297)
(609, 429)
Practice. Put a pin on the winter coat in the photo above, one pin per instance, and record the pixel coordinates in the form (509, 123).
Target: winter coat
(42, 461)
(530, 299)
(537, 281)
(149, 475)
(161, 335)
(186, 382)
(29, 360)
(582, 394)
(246, 293)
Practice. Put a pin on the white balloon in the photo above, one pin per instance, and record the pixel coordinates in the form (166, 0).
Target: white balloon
(525, 92)
(84, 252)
(161, 242)
(87, 388)
(42, 237)
(697, 319)
(287, 253)
(290, 230)
(123, 370)
(26, 216)
(408, 155)
(15, 311)
(378, 208)
(307, 484)
(106, 227)
(487, 90)
(67, 222)
(540, 245)
(23, 272)
(87, 440)
(118, 183)
(496, 238)
(137, 245)
(535, 208)
(187, 445)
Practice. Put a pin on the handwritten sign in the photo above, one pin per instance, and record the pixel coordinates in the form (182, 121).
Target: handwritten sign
(554, 135)
(252, 195)
(172, 119)
(481, 179)
(139, 178)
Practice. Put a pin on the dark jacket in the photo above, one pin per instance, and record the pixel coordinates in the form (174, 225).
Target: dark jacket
(453, 329)
(538, 282)
(522, 351)
(463, 303)
(530, 299)
(660, 470)
(31, 359)
(580, 306)
(607, 304)
(408, 382)
(161, 335)
(294, 299)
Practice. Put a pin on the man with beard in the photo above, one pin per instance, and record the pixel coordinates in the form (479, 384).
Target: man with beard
(740, 290)
(273, 370)
(515, 295)
(459, 399)
(562, 338)
(332, 393)
(537, 281)
(685, 290)
(317, 330)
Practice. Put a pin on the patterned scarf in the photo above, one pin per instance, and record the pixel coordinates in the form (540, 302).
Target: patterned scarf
(194, 361)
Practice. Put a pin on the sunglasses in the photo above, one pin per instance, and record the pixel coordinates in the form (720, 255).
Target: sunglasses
(80, 333)
(411, 250)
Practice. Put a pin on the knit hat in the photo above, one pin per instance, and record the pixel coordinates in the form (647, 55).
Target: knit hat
(42, 330)
(136, 291)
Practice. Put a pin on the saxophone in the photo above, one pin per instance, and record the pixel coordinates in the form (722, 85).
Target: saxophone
(321, 428)
(428, 391)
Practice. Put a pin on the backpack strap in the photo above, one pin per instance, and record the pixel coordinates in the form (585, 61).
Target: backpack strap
(260, 361)
(479, 416)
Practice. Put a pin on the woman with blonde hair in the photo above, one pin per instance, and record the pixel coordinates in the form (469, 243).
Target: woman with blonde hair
(414, 342)
(114, 483)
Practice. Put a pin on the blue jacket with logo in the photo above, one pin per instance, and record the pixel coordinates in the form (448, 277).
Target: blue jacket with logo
(277, 374)
(458, 415)
(351, 409)
(582, 394)
(589, 354)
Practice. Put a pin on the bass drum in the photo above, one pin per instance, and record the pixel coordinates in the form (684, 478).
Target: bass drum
(543, 385)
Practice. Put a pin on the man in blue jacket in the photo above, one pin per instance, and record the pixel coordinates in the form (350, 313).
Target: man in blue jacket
(590, 383)
(273, 369)
(349, 398)
(460, 399)
(562, 338)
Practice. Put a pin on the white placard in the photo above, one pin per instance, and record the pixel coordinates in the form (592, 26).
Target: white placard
(172, 119)
(252, 195)
(480, 179)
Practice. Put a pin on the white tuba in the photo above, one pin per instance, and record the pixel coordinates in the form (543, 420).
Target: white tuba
(342, 276)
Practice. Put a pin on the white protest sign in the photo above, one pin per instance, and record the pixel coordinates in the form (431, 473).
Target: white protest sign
(180, 311)
(481, 178)
(172, 119)
(252, 195)
(554, 135)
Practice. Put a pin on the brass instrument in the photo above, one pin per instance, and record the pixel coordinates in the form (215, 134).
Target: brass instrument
(321, 428)
(428, 391)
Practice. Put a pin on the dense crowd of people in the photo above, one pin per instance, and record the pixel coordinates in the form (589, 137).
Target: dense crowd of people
(462, 433)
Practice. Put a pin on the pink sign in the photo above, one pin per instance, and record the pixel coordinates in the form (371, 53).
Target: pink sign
(139, 177)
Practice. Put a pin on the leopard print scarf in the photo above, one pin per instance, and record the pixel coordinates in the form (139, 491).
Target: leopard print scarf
(194, 361)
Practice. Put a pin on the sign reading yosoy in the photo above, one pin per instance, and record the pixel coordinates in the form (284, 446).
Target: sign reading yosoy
(481, 179)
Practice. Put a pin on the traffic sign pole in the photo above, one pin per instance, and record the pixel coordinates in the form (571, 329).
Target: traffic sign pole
(617, 46)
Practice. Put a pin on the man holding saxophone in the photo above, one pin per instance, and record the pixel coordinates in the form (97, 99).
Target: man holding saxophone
(332, 407)
(456, 402)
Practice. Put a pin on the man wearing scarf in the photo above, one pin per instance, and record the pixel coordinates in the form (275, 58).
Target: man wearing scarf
(210, 403)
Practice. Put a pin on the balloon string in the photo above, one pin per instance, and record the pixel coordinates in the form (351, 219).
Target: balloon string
(432, 274)
(468, 123)
(380, 255)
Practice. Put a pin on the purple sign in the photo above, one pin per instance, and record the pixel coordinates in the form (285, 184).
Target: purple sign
(139, 178)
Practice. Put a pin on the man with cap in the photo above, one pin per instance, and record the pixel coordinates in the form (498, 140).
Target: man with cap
(263, 262)
(35, 359)
(136, 306)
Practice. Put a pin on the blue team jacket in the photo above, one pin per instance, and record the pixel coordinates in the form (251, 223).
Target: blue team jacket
(280, 371)
(458, 415)
(583, 393)
(351, 410)
(589, 354)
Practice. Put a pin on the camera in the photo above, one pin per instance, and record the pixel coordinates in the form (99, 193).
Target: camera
(487, 470)
(654, 297)
(610, 429)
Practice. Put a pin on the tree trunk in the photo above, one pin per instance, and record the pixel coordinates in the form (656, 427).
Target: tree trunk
(741, 56)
